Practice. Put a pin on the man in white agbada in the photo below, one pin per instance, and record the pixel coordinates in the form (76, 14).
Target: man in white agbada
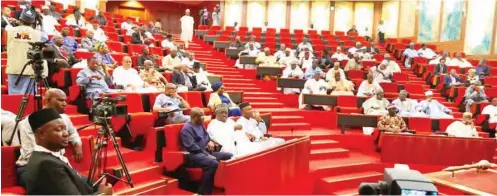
(436, 60)
(252, 41)
(281, 52)
(8, 123)
(426, 52)
(250, 51)
(336, 69)
(305, 44)
(315, 86)
(266, 59)
(433, 108)
(340, 86)
(406, 106)
(187, 28)
(392, 66)
(128, 77)
(354, 64)
(288, 58)
(381, 74)
(49, 22)
(292, 71)
(368, 87)
(306, 60)
(355, 49)
(226, 132)
(201, 76)
(339, 56)
(309, 72)
(459, 61)
(252, 123)
(463, 128)
(490, 110)
(376, 105)
(409, 53)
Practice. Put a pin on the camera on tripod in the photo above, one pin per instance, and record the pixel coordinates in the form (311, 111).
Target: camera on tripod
(107, 107)
(400, 182)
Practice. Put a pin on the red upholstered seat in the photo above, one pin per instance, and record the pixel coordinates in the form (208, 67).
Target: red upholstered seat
(12, 102)
(115, 46)
(74, 74)
(355, 74)
(400, 77)
(9, 158)
(389, 87)
(135, 49)
(83, 54)
(444, 123)
(347, 104)
(133, 101)
(420, 124)
(414, 88)
(113, 36)
(339, 33)
(325, 32)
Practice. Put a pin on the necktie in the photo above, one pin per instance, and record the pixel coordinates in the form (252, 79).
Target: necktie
(63, 53)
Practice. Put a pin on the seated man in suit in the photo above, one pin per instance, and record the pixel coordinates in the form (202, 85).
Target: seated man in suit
(138, 37)
(64, 57)
(48, 172)
(185, 81)
(451, 80)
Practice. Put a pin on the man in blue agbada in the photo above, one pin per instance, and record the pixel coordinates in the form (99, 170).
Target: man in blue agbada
(196, 140)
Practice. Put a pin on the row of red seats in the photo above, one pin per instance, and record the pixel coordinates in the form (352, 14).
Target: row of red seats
(258, 30)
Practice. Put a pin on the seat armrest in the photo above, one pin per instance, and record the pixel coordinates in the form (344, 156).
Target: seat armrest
(171, 160)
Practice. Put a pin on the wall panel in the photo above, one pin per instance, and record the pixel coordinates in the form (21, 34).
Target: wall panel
(277, 14)
(452, 20)
(344, 14)
(320, 15)
(407, 19)
(480, 24)
(233, 12)
(363, 17)
(256, 13)
(390, 17)
(299, 15)
(429, 20)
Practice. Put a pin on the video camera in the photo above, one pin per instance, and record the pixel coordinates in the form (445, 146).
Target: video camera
(36, 54)
(400, 182)
(105, 107)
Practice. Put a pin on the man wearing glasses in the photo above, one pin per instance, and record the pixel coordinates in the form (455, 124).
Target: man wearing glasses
(171, 102)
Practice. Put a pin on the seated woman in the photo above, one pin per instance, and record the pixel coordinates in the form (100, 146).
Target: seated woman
(219, 97)
(472, 77)
(102, 54)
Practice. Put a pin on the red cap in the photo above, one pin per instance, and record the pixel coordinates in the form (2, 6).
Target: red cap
(94, 22)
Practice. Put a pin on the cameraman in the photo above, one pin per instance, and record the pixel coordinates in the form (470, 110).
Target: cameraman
(204, 16)
(18, 39)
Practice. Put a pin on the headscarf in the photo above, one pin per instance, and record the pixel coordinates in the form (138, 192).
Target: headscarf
(216, 86)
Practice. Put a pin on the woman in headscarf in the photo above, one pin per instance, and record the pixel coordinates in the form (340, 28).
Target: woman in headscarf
(219, 97)
(103, 55)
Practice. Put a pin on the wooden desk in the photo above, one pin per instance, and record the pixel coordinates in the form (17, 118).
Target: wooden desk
(312, 99)
(264, 70)
(466, 182)
(356, 120)
(435, 150)
(290, 83)
(200, 33)
(248, 60)
(233, 52)
(210, 38)
(221, 44)
(236, 96)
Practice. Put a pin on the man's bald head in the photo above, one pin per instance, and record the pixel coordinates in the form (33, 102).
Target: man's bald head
(170, 89)
(494, 101)
(56, 99)
(197, 116)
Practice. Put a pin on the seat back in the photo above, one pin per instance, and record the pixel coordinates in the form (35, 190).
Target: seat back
(400, 77)
(172, 134)
(194, 98)
(135, 49)
(13, 102)
(133, 101)
(444, 123)
(347, 101)
(420, 124)
(355, 74)
(9, 168)
(115, 46)
(389, 87)
(414, 88)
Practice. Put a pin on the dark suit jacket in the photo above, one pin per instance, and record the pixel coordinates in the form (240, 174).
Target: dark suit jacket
(179, 79)
(447, 81)
(135, 38)
(439, 69)
(48, 175)
(4, 23)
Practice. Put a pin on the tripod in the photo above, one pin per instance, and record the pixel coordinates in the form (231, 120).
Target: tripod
(99, 156)
(30, 89)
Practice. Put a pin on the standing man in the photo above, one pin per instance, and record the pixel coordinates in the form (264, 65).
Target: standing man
(18, 39)
(215, 17)
(381, 32)
(187, 27)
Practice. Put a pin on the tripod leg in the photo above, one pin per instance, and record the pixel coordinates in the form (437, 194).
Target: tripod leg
(95, 160)
(120, 157)
(20, 112)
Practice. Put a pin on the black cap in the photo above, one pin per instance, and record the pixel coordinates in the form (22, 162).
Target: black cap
(243, 105)
(41, 117)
